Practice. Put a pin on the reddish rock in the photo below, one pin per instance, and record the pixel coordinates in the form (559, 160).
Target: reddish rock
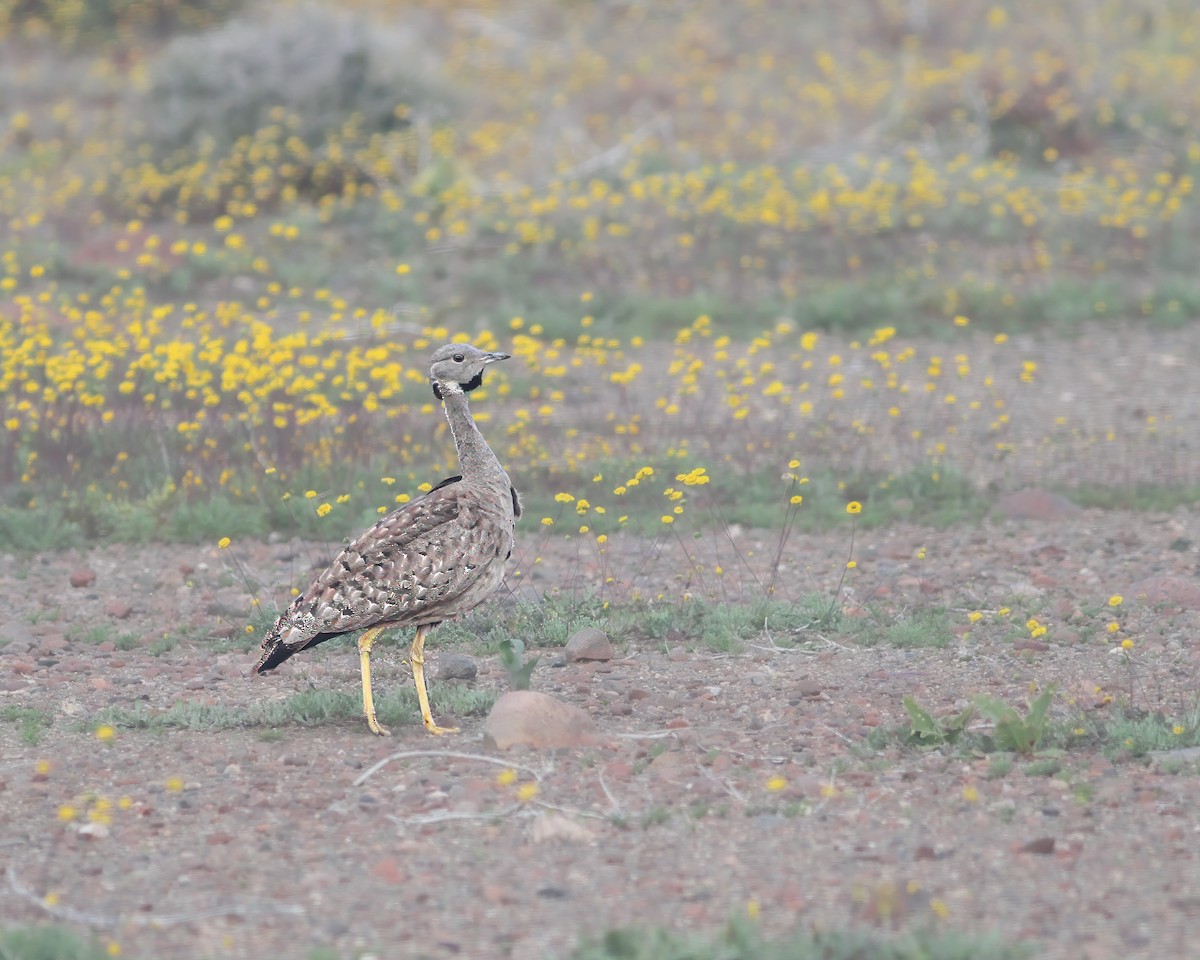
(1037, 504)
(83, 577)
(388, 870)
(21, 666)
(528, 718)
(118, 609)
(589, 643)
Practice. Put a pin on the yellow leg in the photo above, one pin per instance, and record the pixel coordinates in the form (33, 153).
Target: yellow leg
(365, 641)
(418, 666)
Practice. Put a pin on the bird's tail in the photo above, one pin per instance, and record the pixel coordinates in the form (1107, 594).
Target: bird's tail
(274, 650)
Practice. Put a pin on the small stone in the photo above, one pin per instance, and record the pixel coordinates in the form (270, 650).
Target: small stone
(82, 577)
(94, 830)
(807, 688)
(47, 661)
(528, 718)
(456, 666)
(590, 643)
(1043, 846)
(99, 683)
(552, 826)
(118, 609)
(1037, 504)
(21, 667)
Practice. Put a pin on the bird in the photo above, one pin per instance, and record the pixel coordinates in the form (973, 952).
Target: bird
(432, 559)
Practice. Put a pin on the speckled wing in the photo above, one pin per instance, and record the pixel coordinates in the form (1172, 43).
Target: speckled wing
(432, 559)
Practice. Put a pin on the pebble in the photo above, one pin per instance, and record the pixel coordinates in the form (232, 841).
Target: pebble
(590, 643)
(118, 609)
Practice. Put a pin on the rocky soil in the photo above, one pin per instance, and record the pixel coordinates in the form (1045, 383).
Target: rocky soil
(770, 779)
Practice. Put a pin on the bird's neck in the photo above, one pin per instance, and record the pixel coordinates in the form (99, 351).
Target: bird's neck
(476, 459)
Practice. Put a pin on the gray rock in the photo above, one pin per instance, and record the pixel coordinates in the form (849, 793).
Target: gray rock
(589, 643)
(456, 666)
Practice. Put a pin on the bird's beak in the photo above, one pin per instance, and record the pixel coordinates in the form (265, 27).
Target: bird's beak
(493, 357)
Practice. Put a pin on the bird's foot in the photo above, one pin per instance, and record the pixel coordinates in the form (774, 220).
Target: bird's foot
(439, 731)
(377, 728)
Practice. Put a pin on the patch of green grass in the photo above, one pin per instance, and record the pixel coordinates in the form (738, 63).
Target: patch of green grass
(31, 720)
(1136, 734)
(1043, 767)
(919, 629)
(163, 645)
(48, 943)
(397, 706)
(1151, 497)
(41, 528)
(999, 768)
(742, 940)
(95, 634)
(935, 496)
(126, 641)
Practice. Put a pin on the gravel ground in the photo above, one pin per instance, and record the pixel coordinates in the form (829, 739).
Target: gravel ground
(721, 783)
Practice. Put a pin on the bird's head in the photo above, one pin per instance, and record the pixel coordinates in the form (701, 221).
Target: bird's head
(458, 368)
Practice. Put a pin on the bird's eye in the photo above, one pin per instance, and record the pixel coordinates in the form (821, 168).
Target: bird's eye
(459, 358)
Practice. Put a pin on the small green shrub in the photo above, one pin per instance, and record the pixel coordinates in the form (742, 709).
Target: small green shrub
(315, 65)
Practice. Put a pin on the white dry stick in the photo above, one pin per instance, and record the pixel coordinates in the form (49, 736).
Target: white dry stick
(85, 918)
(608, 793)
(453, 754)
(423, 819)
(646, 736)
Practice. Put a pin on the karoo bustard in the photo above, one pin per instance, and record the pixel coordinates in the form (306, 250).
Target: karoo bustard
(432, 559)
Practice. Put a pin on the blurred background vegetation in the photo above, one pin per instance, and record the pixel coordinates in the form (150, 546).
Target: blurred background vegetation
(231, 230)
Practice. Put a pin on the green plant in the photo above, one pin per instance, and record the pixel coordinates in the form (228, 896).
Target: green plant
(520, 671)
(1020, 734)
(1043, 767)
(31, 720)
(742, 940)
(925, 729)
(48, 943)
(923, 628)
